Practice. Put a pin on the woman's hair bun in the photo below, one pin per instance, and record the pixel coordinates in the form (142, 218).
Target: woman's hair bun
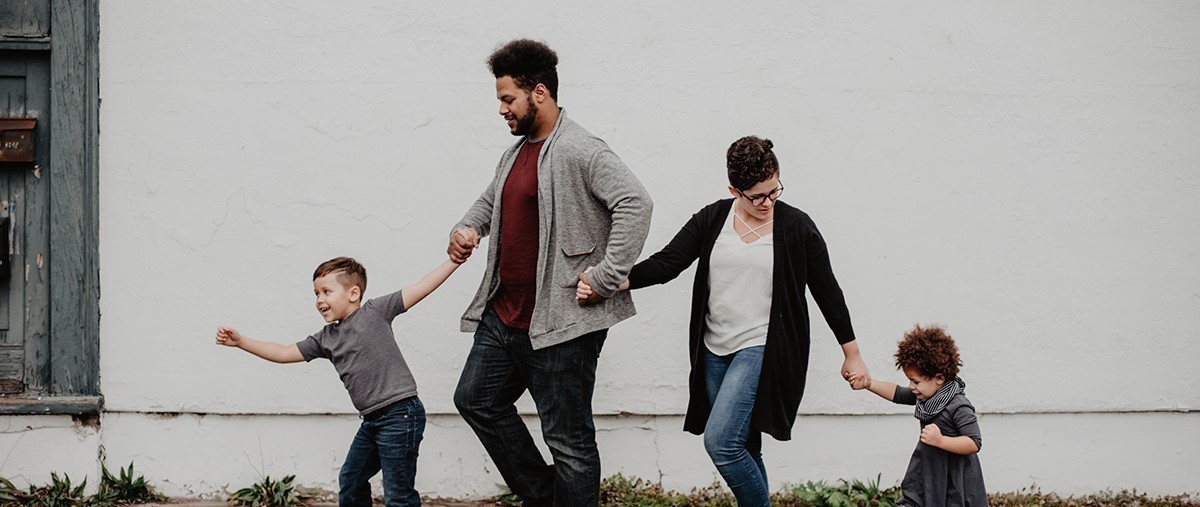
(750, 161)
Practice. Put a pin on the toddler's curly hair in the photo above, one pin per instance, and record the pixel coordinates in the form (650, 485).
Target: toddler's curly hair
(930, 351)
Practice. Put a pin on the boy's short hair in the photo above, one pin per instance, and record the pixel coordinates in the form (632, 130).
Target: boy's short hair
(349, 272)
(750, 161)
(930, 351)
(528, 62)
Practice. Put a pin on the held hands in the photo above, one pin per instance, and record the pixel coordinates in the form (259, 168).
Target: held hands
(228, 337)
(931, 434)
(462, 243)
(584, 295)
(855, 371)
(855, 378)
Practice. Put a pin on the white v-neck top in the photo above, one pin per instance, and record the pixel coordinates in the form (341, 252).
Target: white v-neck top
(739, 291)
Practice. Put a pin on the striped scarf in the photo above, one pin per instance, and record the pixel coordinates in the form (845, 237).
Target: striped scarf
(928, 409)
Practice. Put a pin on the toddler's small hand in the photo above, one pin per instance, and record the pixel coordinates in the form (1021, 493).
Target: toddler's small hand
(853, 378)
(931, 434)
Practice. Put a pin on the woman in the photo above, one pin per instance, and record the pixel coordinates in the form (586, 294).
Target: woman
(749, 334)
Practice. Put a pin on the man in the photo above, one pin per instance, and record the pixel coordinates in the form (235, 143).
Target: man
(561, 201)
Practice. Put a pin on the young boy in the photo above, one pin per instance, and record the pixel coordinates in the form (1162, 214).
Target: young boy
(358, 341)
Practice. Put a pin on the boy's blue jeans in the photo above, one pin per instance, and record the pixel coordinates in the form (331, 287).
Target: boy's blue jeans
(388, 440)
(735, 449)
(500, 367)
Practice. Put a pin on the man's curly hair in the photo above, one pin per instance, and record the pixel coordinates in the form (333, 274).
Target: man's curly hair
(750, 161)
(930, 351)
(528, 62)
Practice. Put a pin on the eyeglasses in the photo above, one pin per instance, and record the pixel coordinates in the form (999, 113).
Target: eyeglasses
(760, 199)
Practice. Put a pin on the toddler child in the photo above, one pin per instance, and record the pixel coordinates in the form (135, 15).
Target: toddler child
(358, 340)
(944, 469)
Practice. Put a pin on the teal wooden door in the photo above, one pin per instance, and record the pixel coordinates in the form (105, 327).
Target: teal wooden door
(24, 201)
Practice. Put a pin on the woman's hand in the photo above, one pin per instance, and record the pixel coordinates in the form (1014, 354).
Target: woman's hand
(583, 291)
(584, 295)
(854, 369)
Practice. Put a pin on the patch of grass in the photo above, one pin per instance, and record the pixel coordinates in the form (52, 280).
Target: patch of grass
(271, 493)
(125, 488)
(622, 491)
(853, 493)
(1033, 496)
(619, 490)
(58, 493)
(509, 500)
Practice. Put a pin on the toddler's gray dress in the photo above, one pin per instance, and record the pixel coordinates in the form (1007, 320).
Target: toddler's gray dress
(937, 478)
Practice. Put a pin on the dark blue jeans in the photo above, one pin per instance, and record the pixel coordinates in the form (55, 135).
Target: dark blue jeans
(387, 439)
(735, 449)
(500, 367)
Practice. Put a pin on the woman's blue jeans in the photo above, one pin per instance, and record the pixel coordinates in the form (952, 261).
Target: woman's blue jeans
(736, 450)
(388, 440)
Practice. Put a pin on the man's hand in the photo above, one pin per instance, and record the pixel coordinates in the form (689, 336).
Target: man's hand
(931, 434)
(228, 337)
(584, 295)
(462, 243)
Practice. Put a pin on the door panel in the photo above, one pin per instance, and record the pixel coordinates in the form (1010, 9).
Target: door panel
(24, 18)
(24, 197)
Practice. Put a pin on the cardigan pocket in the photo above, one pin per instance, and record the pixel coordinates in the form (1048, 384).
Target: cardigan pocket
(575, 261)
(576, 252)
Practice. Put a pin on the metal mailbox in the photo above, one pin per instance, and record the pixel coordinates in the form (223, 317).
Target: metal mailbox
(16, 139)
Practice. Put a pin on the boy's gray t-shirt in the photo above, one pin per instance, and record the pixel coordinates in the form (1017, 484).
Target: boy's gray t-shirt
(363, 350)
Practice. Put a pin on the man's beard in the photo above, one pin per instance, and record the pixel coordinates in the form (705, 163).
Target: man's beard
(525, 123)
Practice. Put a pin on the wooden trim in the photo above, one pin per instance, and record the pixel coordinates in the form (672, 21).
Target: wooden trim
(25, 43)
(51, 405)
(74, 271)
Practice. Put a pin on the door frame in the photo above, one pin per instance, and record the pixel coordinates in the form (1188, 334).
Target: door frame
(74, 212)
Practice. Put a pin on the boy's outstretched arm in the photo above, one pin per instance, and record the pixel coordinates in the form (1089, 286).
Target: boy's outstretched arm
(414, 293)
(274, 352)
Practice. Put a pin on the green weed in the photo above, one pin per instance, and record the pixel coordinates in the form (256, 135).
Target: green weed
(125, 488)
(271, 493)
(59, 493)
(853, 493)
(1033, 497)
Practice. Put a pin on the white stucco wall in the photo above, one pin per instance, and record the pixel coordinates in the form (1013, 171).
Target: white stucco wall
(1025, 173)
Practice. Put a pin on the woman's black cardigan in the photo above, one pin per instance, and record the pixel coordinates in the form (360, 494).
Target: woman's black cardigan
(800, 259)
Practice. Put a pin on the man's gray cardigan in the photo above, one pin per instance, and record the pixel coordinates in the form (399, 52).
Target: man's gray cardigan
(592, 211)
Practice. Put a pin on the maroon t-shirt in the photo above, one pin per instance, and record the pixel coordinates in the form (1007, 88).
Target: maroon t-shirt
(519, 240)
